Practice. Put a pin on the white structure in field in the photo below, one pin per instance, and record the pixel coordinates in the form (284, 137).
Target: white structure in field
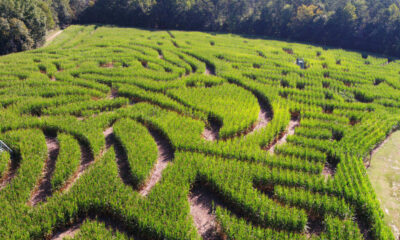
(4, 147)
(301, 63)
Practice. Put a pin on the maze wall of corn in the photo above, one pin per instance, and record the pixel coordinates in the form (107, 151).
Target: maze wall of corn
(120, 133)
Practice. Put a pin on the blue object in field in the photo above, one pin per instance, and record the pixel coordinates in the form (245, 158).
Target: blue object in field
(301, 63)
(4, 147)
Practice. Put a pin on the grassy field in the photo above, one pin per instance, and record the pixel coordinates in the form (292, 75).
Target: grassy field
(131, 133)
(385, 179)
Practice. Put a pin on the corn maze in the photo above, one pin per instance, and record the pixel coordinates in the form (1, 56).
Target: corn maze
(121, 133)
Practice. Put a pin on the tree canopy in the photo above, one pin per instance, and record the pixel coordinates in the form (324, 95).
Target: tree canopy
(367, 25)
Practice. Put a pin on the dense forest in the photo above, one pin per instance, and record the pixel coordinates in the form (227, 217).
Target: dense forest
(367, 25)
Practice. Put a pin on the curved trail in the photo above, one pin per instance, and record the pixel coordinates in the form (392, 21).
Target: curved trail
(110, 223)
(201, 208)
(329, 170)
(264, 117)
(68, 233)
(44, 190)
(50, 38)
(165, 156)
(281, 140)
(11, 172)
(211, 133)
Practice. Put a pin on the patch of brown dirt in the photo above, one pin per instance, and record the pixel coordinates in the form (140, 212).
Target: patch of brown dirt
(364, 229)
(165, 156)
(43, 188)
(264, 117)
(201, 208)
(210, 70)
(11, 172)
(263, 120)
(53, 36)
(68, 233)
(211, 134)
(112, 224)
(282, 139)
(113, 93)
(160, 54)
(315, 226)
(107, 65)
(328, 171)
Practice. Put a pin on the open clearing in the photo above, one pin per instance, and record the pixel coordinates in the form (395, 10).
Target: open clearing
(121, 132)
(384, 173)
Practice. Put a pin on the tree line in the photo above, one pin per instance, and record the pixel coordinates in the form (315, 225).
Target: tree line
(24, 23)
(367, 25)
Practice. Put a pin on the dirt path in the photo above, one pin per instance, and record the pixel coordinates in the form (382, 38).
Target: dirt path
(68, 233)
(165, 156)
(211, 133)
(43, 189)
(290, 131)
(210, 70)
(263, 120)
(264, 117)
(201, 202)
(113, 94)
(160, 54)
(315, 226)
(11, 172)
(328, 171)
(51, 37)
(111, 224)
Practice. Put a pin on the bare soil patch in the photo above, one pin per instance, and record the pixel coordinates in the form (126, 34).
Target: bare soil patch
(315, 226)
(53, 36)
(160, 54)
(264, 117)
(165, 156)
(13, 166)
(68, 233)
(113, 94)
(201, 208)
(43, 188)
(211, 134)
(329, 170)
(210, 70)
(282, 139)
(110, 222)
(107, 65)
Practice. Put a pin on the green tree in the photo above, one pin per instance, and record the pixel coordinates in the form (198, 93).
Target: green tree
(14, 36)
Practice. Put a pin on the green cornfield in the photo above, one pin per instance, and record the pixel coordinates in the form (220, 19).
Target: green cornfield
(122, 133)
